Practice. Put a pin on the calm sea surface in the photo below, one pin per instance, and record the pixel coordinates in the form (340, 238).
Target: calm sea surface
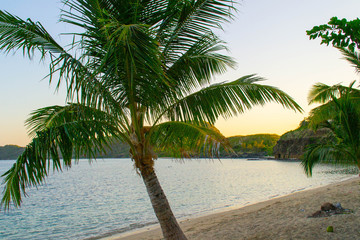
(108, 197)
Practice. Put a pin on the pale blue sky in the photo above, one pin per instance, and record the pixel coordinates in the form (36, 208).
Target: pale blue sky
(267, 38)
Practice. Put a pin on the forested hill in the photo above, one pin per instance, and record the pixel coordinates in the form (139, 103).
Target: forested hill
(256, 145)
(9, 152)
(244, 146)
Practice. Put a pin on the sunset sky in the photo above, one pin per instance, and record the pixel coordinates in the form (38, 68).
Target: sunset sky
(267, 38)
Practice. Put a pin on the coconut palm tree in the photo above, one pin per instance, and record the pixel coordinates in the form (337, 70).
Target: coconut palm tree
(340, 113)
(139, 72)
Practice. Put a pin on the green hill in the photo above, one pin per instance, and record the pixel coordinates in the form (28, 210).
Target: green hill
(9, 152)
(257, 145)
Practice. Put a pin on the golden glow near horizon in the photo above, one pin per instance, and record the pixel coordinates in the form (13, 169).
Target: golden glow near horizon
(260, 120)
(267, 38)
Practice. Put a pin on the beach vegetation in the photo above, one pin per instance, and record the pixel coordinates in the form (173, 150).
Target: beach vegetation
(119, 149)
(140, 72)
(253, 145)
(339, 111)
(340, 114)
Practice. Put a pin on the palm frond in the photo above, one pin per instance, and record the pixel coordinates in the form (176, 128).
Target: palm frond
(121, 50)
(322, 114)
(322, 93)
(327, 153)
(28, 36)
(131, 49)
(60, 135)
(199, 63)
(186, 139)
(341, 116)
(188, 21)
(347, 119)
(228, 99)
(352, 56)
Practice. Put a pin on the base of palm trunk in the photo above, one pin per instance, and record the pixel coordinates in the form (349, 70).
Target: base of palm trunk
(169, 226)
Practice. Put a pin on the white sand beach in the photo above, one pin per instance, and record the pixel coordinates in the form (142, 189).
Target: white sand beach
(279, 218)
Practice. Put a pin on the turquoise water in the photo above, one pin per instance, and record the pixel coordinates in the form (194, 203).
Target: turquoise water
(107, 197)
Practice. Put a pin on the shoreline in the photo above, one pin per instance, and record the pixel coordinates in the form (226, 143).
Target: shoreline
(278, 217)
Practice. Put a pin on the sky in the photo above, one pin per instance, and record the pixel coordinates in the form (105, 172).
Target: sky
(267, 38)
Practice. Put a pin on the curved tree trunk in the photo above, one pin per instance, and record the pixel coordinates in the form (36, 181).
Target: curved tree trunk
(169, 226)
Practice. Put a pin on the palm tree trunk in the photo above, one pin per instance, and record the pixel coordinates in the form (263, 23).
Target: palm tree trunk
(169, 226)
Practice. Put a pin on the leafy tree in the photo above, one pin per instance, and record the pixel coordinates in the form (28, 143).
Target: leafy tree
(340, 113)
(340, 32)
(141, 74)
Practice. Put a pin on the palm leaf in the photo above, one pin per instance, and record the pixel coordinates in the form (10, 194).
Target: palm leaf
(195, 67)
(322, 93)
(188, 21)
(327, 153)
(348, 119)
(62, 133)
(123, 52)
(341, 116)
(184, 139)
(321, 114)
(227, 99)
(330, 97)
(29, 36)
(352, 56)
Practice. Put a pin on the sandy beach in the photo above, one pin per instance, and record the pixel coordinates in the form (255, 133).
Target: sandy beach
(279, 218)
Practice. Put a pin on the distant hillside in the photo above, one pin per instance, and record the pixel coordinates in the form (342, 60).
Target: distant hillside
(10, 152)
(117, 150)
(257, 145)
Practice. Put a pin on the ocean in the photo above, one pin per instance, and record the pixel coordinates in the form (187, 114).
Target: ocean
(106, 197)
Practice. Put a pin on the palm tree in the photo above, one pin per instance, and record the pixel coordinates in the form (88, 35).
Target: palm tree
(143, 76)
(340, 113)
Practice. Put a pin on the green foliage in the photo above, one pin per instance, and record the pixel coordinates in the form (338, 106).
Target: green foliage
(340, 33)
(263, 144)
(340, 113)
(180, 138)
(256, 144)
